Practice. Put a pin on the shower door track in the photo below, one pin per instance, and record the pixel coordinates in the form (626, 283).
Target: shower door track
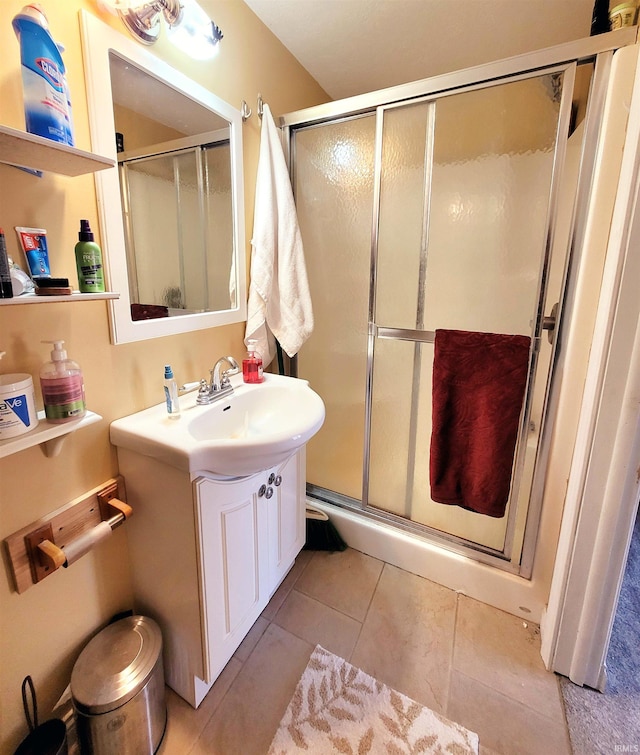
(579, 51)
(595, 49)
(460, 546)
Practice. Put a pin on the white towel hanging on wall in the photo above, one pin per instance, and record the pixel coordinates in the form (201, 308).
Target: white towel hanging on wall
(279, 300)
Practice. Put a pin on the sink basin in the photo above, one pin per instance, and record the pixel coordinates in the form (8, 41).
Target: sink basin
(255, 428)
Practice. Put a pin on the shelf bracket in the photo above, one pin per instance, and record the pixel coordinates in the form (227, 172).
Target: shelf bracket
(51, 448)
(32, 171)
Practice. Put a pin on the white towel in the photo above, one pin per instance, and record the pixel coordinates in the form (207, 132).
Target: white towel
(279, 300)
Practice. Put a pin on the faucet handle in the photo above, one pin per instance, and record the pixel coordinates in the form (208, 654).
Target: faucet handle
(233, 370)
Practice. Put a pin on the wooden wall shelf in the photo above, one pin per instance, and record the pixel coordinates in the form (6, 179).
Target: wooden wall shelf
(37, 153)
(47, 435)
(75, 296)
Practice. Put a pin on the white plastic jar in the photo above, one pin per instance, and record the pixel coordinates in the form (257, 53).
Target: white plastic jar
(17, 405)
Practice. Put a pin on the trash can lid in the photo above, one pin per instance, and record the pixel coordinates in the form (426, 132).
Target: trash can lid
(115, 665)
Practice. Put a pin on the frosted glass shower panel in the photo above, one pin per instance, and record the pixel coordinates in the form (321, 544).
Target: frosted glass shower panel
(152, 235)
(222, 288)
(403, 214)
(180, 229)
(400, 448)
(192, 242)
(477, 203)
(333, 185)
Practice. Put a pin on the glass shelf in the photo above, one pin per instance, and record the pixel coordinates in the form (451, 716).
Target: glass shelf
(49, 436)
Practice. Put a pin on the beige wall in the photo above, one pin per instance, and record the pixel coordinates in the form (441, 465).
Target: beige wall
(139, 131)
(43, 630)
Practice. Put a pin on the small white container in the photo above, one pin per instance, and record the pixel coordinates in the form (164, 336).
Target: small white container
(17, 405)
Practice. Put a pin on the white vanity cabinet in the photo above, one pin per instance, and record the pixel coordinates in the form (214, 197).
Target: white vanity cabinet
(207, 554)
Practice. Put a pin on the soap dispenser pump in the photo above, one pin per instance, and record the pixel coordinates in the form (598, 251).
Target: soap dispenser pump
(62, 387)
(252, 364)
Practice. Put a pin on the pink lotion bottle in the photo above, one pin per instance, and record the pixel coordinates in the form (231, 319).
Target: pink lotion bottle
(252, 364)
(62, 387)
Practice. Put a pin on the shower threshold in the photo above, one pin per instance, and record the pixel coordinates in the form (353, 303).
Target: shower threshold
(431, 536)
(440, 562)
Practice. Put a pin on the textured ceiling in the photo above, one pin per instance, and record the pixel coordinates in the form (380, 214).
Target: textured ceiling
(356, 46)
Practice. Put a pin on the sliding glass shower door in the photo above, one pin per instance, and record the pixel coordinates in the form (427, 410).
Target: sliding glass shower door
(334, 172)
(439, 213)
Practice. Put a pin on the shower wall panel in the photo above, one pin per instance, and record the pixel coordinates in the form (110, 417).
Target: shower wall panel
(334, 188)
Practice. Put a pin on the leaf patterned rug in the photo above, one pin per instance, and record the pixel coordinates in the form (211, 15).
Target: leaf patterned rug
(337, 708)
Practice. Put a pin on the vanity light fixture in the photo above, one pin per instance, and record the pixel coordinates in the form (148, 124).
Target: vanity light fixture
(189, 27)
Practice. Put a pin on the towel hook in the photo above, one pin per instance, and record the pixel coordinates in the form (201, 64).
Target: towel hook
(245, 111)
(260, 106)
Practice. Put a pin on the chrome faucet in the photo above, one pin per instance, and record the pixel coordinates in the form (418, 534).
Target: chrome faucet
(219, 384)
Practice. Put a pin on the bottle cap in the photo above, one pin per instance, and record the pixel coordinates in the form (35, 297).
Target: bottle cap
(85, 233)
(168, 372)
(36, 13)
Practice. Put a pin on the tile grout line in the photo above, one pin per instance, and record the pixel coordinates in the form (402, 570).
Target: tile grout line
(366, 613)
(292, 587)
(243, 662)
(319, 602)
(453, 651)
(513, 700)
(563, 704)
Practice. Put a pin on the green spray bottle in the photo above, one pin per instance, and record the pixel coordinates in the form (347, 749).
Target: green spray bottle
(89, 262)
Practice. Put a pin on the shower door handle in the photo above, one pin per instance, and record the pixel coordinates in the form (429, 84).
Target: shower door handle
(549, 322)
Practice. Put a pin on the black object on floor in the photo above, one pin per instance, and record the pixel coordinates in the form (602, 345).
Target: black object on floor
(321, 532)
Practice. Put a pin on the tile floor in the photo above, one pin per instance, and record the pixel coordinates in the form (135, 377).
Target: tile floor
(476, 665)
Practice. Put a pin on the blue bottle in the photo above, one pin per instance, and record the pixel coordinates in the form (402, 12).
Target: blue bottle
(171, 393)
(68, 126)
(43, 77)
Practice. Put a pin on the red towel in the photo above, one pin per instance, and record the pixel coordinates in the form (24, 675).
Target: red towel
(148, 311)
(479, 380)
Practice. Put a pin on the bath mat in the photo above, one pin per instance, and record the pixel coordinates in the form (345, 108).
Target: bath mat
(337, 708)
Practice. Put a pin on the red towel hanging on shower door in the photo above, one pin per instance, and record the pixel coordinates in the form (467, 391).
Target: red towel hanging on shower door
(479, 380)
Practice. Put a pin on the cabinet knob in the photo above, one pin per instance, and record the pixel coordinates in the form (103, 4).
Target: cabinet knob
(278, 481)
(272, 477)
(262, 490)
(269, 492)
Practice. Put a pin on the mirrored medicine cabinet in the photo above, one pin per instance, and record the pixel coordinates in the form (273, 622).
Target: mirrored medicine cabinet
(172, 217)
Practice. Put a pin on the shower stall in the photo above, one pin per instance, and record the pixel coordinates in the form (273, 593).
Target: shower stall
(453, 203)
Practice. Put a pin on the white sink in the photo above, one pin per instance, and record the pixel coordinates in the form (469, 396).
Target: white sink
(255, 428)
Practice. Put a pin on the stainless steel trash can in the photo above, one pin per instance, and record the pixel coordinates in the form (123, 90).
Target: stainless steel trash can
(117, 687)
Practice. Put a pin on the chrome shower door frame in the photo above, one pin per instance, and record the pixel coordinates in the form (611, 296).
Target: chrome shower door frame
(563, 58)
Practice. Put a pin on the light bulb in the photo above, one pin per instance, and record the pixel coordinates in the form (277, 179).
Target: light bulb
(195, 34)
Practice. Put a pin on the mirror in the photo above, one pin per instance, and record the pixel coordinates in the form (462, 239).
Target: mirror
(171, 214)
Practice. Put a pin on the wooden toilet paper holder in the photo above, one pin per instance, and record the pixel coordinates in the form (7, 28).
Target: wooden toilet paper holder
(38, 550)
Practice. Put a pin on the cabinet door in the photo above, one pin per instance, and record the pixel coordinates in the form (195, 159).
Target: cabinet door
(234, 564)
(286, 511)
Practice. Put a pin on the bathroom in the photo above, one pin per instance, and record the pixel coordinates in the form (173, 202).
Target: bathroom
(42, 629)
